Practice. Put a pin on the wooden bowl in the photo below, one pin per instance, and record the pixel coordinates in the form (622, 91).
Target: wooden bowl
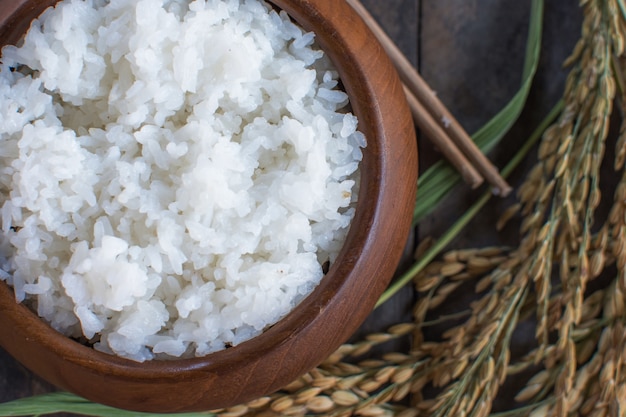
(325, 319)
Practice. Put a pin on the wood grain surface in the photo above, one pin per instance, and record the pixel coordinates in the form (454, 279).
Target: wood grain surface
(471, 53)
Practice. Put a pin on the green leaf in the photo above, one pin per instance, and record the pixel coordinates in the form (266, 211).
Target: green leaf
(62, 402)
(435, 184)
(464, 220)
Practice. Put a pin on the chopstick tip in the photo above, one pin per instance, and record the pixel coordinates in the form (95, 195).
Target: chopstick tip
(502, 190)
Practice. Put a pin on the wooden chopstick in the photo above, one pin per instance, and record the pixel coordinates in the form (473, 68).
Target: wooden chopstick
(421, 92)
(435, 133)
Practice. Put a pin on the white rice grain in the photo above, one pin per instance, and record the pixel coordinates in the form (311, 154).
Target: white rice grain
(174, 173)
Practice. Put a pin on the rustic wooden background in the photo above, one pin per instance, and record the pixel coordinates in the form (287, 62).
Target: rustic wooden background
(471, 53)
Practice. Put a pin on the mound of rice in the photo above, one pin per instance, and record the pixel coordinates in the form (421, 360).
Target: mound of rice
(174, 173)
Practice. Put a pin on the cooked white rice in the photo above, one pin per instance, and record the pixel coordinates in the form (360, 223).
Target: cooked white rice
(174, 173)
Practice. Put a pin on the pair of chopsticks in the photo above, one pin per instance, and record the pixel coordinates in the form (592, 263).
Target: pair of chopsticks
(434, 119)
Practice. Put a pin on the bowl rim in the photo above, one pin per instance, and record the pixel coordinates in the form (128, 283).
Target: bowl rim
(382, 215)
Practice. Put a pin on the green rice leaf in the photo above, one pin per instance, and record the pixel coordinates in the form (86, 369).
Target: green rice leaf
(464, 220)
(435, 184)
(62, 402)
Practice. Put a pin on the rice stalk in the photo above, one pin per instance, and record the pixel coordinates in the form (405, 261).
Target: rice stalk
(558, 202)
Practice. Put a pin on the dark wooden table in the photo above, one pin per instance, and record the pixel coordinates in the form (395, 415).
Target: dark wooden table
(471, 53)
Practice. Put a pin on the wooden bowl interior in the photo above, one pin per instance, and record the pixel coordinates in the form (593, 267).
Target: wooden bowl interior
(323, 320)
